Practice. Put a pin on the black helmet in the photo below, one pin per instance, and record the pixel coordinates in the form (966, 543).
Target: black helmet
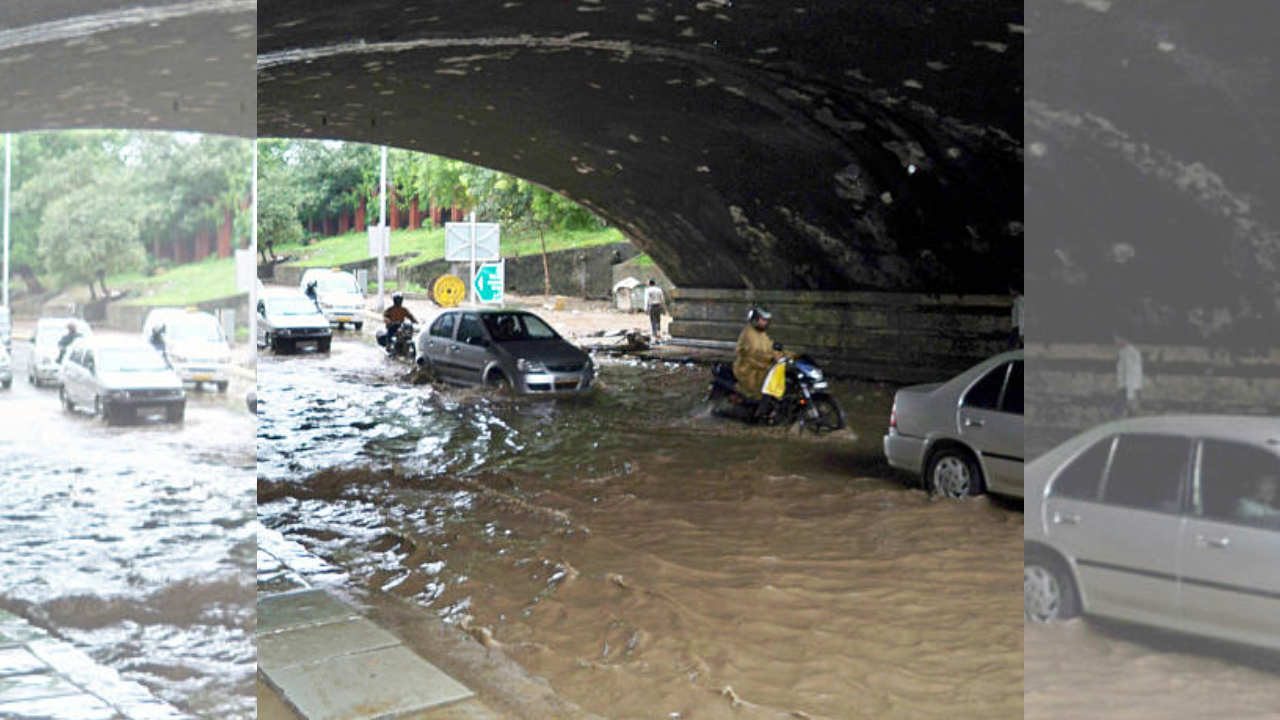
(397, 298)
(759, 312)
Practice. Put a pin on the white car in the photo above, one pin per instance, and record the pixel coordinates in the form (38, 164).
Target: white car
(338, 294)
(963, 436)
(288, 320)
(115, 378)
(1166, 521)
(43, 369)
(194, 345)
(6, 368)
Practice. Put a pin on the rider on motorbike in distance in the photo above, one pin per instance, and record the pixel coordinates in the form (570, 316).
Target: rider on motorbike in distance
(394, 316)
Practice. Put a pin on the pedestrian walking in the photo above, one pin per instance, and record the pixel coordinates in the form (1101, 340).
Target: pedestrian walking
(1128, 378)
(654, 303)
(1015, 336)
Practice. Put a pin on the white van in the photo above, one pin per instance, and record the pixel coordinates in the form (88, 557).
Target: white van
(193, 344)
(338, 294)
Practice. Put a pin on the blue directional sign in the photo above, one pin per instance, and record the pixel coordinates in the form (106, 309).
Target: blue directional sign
(489, 282)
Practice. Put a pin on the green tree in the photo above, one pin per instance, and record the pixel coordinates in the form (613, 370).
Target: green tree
(91, 232)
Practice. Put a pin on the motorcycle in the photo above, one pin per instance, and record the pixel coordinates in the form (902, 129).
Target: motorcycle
(805, 399)
(398, 340)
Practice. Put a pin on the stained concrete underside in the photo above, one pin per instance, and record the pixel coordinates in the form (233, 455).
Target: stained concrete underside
(1153, 172)
(143, 64)
(743, 144)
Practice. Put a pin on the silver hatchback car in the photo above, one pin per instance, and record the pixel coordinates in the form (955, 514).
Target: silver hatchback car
(502, 348)
(1166, 521)
(963, 436)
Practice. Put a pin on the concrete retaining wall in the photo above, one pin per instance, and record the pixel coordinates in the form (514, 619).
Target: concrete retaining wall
(1072, 387)
(896, 337)
(129, 318)
(581, 272)
(291, 275)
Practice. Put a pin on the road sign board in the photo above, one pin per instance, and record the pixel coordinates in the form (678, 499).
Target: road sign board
(489, 282)
(379, 241)
(457, 241)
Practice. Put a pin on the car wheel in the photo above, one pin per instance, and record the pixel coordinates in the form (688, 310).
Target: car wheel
(102, 410)
(358, 326)
(1048, 590)
(8, 384)
(324, 345)
(498, 382)
(176, 412)
(953, 473)
(223, 385)
(66, 401)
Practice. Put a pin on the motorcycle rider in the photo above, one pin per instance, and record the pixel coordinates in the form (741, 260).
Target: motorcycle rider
(756, 353)
(394, 316)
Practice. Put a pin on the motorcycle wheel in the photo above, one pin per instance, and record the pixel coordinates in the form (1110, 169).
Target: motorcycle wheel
(829, 415)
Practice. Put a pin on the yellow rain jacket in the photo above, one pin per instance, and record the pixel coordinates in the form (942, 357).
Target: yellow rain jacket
(755, 356)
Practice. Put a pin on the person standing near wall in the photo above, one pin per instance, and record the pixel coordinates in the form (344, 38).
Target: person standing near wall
(654, 302)
(1015, 335)
(1128, 378)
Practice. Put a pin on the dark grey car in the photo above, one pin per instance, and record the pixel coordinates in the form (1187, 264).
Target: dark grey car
(502, 348)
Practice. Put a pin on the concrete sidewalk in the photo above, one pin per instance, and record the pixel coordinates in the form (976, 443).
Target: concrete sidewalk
(323, 659)
(41, 677)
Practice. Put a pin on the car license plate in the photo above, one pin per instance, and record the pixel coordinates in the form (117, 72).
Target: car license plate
(149, 410)
(344, 318)
(202, 377)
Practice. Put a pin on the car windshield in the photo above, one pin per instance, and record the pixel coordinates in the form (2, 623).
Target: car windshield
(130, 360)
(509, 327)
(193, 328)
(338, 283)
(291, 306)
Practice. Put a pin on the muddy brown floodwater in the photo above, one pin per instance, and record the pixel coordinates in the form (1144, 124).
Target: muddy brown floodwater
(1085, 669)
(135, 543)
(648, 560)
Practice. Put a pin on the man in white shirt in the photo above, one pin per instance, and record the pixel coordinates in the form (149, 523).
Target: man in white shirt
(1128, 378)
(654, 302)
(1016, 338)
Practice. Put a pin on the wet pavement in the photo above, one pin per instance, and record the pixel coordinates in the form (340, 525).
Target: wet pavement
(135, 543)
(642, 557)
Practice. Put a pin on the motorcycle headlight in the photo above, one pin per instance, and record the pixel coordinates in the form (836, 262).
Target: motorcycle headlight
(530, 366)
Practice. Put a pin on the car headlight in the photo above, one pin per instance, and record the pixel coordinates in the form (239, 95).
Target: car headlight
(118, 394)
(175, 357)
(530, 366)
(284, 332)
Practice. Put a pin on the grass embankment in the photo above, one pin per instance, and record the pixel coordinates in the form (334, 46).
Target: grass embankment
(180, 285)
(428, 245)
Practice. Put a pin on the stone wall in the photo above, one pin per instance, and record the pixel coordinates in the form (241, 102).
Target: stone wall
(896, 337)
(580, 272)
(291, 275)
(129, 318)
(1073, 387)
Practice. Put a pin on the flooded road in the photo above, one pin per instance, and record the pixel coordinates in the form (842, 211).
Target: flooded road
(648, 560)
(135, 542)
(1082, 669)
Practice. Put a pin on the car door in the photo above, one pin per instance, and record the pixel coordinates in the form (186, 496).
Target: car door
(436, 347)
(1229, 552)
(1117, 511)
(76, 376)
(989, 420)
(471, 349)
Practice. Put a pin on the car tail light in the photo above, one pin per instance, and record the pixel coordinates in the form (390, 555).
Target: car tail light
(893, 416)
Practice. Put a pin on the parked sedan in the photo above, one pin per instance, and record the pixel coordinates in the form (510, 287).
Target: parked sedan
(509, 349)
(115, 378)
(1172, 522)
(289, 320)
(963, 436)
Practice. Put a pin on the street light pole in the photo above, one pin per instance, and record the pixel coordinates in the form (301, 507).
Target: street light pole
(384, 233)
